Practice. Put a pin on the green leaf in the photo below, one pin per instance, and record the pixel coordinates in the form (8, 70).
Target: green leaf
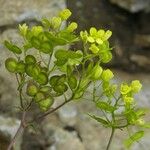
(13, 48)
(135, 137)
(68, 36)
(100, 120)
(61, 54)
(46, 47)
(105, 106)
(35, 42)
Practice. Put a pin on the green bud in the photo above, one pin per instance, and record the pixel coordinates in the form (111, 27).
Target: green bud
(42, 78)
(11, 64)
(65, 14)
(107, 75)
(30, 59)
(128, 100)
(125, 89)
(94, 48)
(93, 31)
(90, 39)
(96, 72)
(32, 89)
(20, 67)
(136, 86)
(106, 57)
(23, 29)
(56, 22)
(36, 30)
(101, 33)
(84, 36)
(107, 35)
(73, 26)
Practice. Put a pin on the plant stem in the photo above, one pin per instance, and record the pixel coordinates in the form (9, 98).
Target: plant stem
(54, 109)
(19, 131)
(110, 139)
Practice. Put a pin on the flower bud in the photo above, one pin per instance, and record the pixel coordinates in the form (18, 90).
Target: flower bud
(96, 72)
(65, 14)
(136, 86)
(107, 75)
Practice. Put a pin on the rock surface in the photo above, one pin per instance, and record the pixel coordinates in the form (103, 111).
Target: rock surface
(133, 5)
(18, 11)
(8, 128)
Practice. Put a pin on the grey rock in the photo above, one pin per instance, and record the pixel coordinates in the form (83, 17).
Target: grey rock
(8, 128)
(18, 11)
(68, 114)
(63, 140)
(133, 5)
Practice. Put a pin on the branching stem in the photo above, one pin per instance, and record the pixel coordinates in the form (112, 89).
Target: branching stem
(110, 139)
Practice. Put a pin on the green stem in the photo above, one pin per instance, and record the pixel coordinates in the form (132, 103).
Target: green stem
(110, 139)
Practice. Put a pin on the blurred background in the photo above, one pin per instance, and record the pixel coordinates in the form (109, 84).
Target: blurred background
(70, 128)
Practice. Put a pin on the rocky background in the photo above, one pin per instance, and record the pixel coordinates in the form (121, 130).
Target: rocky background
(70, 128)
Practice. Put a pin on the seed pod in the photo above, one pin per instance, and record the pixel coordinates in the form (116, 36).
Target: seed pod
(39, 96)
(32, 70)
(20, 67)
(46, 89)
(78, 94)
(44, 69)
(30, 59)
(61, 79)
(72, 81)
(42, 78)
(11, 64)
(46, 103)
(53, 80)
(32, 89)
(60, 88)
